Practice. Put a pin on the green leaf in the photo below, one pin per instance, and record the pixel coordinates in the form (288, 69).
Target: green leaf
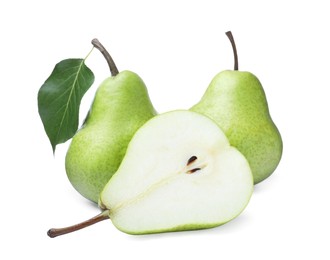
(59, 99)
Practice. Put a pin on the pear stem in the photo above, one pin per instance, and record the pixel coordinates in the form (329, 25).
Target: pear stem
(112, 66)
(54, 232)
(231, 38)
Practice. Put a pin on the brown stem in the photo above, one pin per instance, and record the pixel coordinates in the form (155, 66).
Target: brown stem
(231, 38)
(112, 66)
(54, 232)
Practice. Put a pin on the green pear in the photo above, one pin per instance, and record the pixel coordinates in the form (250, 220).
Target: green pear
(121, 105)
(179, 173)
(237, 102)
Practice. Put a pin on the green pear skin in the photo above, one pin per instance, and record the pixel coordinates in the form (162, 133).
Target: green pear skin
(236, 101)
(120, 107)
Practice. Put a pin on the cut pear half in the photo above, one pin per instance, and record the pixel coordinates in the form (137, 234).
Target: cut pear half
(179, 173)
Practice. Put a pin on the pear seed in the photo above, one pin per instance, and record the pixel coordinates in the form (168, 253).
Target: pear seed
(193, 170)
(191, 160)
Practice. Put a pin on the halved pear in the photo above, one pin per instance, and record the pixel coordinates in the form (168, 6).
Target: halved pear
(179, 173)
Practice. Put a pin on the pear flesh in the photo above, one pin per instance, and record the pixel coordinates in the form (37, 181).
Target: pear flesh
(179, 173)
(121, 105)
(236, 101)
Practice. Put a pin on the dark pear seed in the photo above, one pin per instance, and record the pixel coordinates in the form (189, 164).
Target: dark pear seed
(193, 170)
(191, 160)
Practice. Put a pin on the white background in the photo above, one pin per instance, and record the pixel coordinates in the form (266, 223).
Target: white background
(176, 47)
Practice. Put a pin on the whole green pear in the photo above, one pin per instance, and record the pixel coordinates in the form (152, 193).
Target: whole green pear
(120, 107)
(236, 101)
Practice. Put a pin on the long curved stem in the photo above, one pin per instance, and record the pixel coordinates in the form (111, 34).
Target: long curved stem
(54, 232)
(112, 66)
(231, 38)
